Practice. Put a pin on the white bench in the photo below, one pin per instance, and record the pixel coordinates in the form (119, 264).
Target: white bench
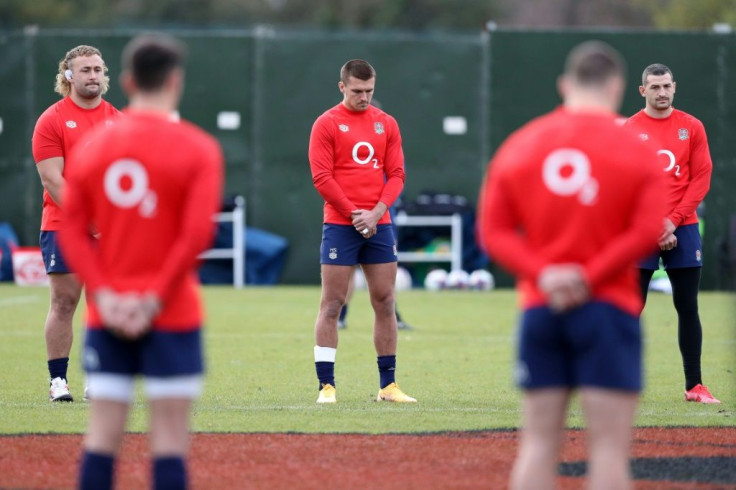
(454, 256)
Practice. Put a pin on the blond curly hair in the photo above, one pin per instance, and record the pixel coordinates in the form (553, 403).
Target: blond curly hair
(62, 86)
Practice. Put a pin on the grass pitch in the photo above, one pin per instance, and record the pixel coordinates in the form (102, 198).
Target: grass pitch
(457, 363)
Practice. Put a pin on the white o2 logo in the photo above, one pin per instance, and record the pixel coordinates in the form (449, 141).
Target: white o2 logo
(672, 161)
(137, 194)
(367, 159)
(577, 181)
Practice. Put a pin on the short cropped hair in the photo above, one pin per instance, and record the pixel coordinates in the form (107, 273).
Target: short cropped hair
(360, 69)
(62, 85)
(150, 58)
(594, 63)
(655, 69)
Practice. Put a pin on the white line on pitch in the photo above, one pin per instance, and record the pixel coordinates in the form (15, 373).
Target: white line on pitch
(18, 300)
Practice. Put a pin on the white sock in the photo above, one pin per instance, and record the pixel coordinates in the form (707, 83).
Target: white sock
(324, 354)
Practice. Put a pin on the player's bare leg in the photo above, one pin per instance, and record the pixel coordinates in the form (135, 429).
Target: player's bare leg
(107, 420)
(65, 292)
(609, 416)
(170, 427)
(541, 439)
(170, 441)
(342, 319)
(381, 280)
(335, 279)
(105, 432)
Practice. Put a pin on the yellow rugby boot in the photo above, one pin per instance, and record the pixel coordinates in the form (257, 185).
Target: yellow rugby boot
(392, 393)
(327, 394)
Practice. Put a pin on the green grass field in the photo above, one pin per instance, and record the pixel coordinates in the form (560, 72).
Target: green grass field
(457, 363)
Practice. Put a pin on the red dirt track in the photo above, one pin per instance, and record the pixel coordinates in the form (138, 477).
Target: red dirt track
(462, 460)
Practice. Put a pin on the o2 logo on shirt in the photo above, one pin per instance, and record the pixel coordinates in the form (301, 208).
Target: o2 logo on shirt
(368, 158)
(566, 172)
(126, 186)
(671, 161)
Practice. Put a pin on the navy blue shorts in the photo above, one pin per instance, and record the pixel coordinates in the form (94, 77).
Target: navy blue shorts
(596, 345)
(158, 354)
(51, 253)
(344, 245)
(687, 253)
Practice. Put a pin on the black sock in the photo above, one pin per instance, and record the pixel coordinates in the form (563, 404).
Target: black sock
(645, 277)
(58, 367)
(343, 312)
(387, 370)
(325, 373)
(96, 472)
(398, 316)
(169, 473)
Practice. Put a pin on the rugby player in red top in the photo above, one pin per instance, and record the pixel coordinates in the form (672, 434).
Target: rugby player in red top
(357, 167)
(685, 158)
(81, 81)
(150, 184)
(570, 203)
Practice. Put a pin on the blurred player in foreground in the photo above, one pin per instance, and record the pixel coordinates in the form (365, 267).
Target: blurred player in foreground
(357, 165)
(151, 185)
(570, 203)
(82, 81)
(683, 151)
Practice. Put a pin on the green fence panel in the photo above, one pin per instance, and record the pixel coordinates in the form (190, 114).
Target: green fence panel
(456, 97)
(420, 81)
(17, 172)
